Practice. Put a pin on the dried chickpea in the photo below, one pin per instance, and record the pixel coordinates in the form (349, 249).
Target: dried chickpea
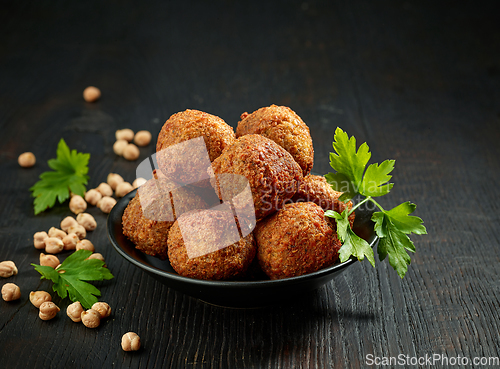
(91, 318)
(53, 245)
(114, 179)
(142, 138)
(106, 204)
(124, 134)
(131, 342)
(131, 152)
(7, 269)
(57, 233)
(105, 189)
(74, 311)
(91, 94)
(26, 160)
(123, 189)
(96, 255)
(11, 292)
(85, 245)
(92, 196)
(37, 298)
(87, 221)
(102, 308)
(70, 241)
(138, 182)
(77, 204)
(79, 230)
(39, 240)
(48, 310)
(49, 260)
(119, 146)
(67, 222)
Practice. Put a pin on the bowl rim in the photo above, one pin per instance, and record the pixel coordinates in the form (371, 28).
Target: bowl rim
(123, 202)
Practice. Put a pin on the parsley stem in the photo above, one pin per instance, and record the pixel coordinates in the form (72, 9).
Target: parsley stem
(368, 198)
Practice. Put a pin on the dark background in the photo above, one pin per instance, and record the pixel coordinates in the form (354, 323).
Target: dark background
(418, 80)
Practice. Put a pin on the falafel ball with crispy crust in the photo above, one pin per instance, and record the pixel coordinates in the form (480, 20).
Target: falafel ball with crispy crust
(207, 245)
(184, 163)
(316, 189)
(296, 240)
(271, 171)
(282, 125)
(149, 215)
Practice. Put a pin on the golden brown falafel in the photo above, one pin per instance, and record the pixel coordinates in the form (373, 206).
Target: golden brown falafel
(207, 245)
(149, 215)
(282, 125)
(183, 163)
(296, 240)
(272, 173)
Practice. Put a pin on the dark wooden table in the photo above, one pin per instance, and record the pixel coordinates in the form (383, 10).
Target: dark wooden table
(418, 80)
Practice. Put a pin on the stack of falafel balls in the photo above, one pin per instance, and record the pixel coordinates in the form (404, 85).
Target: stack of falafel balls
(272, 148)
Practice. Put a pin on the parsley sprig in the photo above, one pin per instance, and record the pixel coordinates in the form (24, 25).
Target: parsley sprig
(69, 278)
(393, 226)
(70, 174)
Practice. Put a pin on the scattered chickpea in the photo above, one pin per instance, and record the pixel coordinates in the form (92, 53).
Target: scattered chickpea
(70, 241)
(102, 308)
(119, 146)
(39, 297)
(7, 269)
(91, 318)
(48, 310)
(67, 222)
(96, 255)
(74, 311)
(131, 152)
(49, 260)
(91, 94)
(26, 160)
(114, 179)
(131, 342)
(93, 196)
(123, 189)
(77, 204)
(53, 245)
(11, 292)
(106, 204)
(124, 134)
(57, 233)
(142, 138)
(105, 189)
(85, 245)
(138, 182)
(39, 239)
(87, 221)
(79, 230)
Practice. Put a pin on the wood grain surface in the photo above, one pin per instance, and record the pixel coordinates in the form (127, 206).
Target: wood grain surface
(418, 80)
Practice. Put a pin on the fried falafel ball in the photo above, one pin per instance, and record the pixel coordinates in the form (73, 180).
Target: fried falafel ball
(271, 171)
(184, 163)
(149, 215)
(207, 245)
(296, 240)
(282, 125)
(316, 189)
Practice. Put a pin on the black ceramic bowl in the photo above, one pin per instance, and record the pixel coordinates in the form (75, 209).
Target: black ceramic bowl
(242, 294)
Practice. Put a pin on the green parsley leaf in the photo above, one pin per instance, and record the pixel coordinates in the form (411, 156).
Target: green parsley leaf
(375, 177)
(70, 174)
(349, 164)
(393, 243)
(352, 244)
(69, 278)
(401, 220)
